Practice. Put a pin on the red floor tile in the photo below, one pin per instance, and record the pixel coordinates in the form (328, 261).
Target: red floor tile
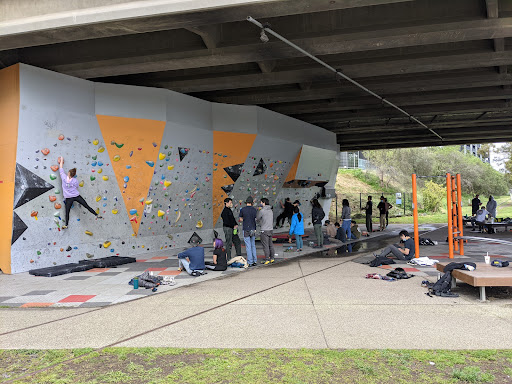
(411, 270)
(260, 256)
(141, 260)
(98, 270)
(169, 273)
(77, 298)
(159, 258)
(156, 269)
(36, 305)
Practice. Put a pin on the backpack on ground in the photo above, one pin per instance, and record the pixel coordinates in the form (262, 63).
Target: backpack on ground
(399, 273)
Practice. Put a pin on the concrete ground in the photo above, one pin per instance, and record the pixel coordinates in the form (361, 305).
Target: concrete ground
(317, 301)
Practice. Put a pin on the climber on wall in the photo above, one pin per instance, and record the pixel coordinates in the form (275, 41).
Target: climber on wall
(70, 191)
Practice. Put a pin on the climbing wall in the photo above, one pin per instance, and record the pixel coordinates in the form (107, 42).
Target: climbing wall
(156, 165)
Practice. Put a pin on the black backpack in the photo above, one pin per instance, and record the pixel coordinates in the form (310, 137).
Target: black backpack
(399, 273)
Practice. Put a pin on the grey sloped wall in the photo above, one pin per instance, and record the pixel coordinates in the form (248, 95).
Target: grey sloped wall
(55, 106)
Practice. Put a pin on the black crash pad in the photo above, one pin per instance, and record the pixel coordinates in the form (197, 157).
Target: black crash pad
(82, 265)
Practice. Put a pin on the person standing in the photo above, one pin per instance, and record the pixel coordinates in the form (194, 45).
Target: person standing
(70, 191)
(317, 215)
(265, 217)
(388, 207)
(369, 212)
(382, 212)
(248, 219)
(491, 207)
(475, 204)
(286, 214)
(230, 228)
(347, 219)
(297, 228)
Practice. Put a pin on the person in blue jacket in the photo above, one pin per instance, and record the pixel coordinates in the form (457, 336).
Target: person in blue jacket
(192, 259)
(297, 228)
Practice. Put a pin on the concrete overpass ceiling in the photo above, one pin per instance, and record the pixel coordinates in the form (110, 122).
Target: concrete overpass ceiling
(448, 63)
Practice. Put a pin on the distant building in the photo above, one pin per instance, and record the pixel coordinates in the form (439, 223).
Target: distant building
(353, 160)
(473, 150)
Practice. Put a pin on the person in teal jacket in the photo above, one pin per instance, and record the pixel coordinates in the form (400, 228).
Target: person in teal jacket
(297, 228)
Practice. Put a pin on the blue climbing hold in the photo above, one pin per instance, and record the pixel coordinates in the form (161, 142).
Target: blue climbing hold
(133, 211)
(150, 163)
(126, 179)
(100, 163)
(93, 163)
(128, 166)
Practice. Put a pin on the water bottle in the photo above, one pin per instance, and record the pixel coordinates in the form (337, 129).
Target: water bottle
(235, 231)
(135, 283)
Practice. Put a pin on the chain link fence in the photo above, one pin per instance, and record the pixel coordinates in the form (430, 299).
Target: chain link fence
(401, 202)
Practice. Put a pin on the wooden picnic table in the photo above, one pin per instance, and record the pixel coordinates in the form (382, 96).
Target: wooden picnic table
(483, 276)
(489, 224)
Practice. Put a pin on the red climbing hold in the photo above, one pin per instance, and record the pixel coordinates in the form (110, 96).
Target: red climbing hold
(45, 151)
(61, 137)
(54, 168)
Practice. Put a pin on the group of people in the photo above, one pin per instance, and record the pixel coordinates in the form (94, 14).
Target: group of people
(480, 212)
(384, 206)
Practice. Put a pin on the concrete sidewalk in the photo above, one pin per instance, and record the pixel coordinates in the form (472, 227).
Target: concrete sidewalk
(308, 302)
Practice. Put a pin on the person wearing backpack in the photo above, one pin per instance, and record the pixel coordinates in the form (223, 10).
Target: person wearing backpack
(297, 228)
(317, 215)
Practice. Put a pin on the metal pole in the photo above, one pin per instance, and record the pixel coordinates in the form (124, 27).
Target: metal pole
(461, 231)
(455, 219)
(336, 196)
(450, 217)
(338, 73)
(415, 216)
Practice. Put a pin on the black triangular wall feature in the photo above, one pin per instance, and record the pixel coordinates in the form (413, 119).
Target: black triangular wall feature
(234, 171)
(183, 152)
(260, 169)
(196, 237)
(18, 227)
(28, 186)
(228, 188)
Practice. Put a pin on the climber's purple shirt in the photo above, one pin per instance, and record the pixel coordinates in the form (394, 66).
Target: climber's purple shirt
(69, 188)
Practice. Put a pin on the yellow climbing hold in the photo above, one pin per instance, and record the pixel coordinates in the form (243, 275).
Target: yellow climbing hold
(160, 213)
(105, 178)
(100, 170)
(88, 233)
(161, 156)
(95, 141)
(97, 211)
(117, 158)
(170, 167)
(167, 183)
(199, 224)
(149, 202)
(98, 198)
(101, 149)
(115, 211)
(106, 244)
(178, 217)
(81, 184)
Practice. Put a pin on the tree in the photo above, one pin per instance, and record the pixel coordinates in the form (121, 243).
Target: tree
(433, 195)
(506, 157)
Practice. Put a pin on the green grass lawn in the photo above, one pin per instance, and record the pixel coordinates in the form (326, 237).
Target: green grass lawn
(191, 366)
(504, 210)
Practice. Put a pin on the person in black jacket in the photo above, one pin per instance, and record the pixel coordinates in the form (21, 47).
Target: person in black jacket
(317, 215)
(286, 214)
(220, 262)
(230, 227)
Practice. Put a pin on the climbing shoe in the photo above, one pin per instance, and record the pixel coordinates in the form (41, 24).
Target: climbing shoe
(272, 260)
(64, 227)
(266, 262)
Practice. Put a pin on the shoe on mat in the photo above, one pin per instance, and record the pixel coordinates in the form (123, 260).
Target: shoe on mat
(272, 260)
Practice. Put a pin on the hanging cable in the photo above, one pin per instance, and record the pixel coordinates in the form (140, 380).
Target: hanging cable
(266, 28)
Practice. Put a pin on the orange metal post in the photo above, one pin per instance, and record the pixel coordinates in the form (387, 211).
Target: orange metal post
(415, 216)
(450, 216)
(455, 215)
(459, 198)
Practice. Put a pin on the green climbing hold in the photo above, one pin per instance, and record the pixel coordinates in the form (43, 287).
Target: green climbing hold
(38, 252)
(119, 145)
(166, 147)
(93, 178)
(56, 191)
(53, 177)
(94, 157)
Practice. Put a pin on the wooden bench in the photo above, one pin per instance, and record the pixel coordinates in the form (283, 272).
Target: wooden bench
(483, 276)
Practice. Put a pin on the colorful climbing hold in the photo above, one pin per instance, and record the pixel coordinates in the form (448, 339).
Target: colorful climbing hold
(57, 206)
(81, 183)
(126, 179)
(178, 216)
(199, 224)
(149, 201)
(53, 177)
(100, 170)
(61, 137)
(98, 198)
(92, 178)
(54, 168)
(133, 211)
(115, 211)
(170, 167)
(52, 198)
(106, 244)
(105, 178)
(161, 156)
(45, 151)
(150, 163)
(95, 141)
(128, 166)
(160, 213)
(116, 158)
(167, 183)
(101, 149)
(88, 233)
(34, 214)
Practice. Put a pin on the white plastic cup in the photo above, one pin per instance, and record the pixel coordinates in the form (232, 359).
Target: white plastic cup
(487, 258)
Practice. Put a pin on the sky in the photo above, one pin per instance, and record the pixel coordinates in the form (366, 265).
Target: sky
(497, 158)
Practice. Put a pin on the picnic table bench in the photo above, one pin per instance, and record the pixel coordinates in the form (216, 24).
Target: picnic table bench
(483, 276)
(489, 224)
